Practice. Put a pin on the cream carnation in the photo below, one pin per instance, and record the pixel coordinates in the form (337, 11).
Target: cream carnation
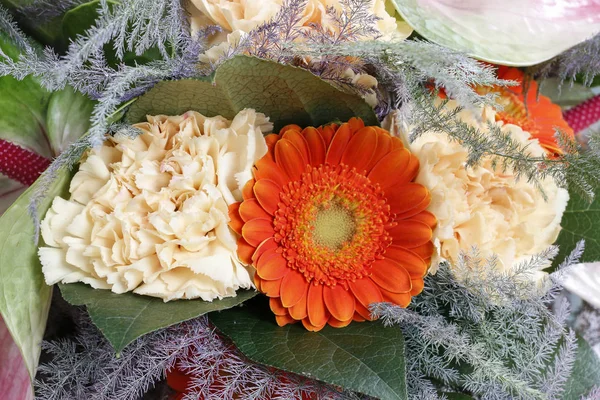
(245, 15)
(150, 214)
(486, 207)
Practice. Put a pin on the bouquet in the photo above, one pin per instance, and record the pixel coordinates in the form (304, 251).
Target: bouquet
(299, 199)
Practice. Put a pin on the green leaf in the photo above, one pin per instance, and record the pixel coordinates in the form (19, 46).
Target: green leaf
(23, 104)
(284, 93)
(68, 118)
(122, 318)
(586, 372)
(9, 191)
(567, 94)
(364, 357)
(24, 297)
(580, 221)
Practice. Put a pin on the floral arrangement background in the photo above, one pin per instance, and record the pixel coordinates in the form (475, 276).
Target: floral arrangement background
(298, 200)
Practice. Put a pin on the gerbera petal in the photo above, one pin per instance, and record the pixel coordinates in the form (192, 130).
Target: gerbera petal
(272, 266)
(270, 288)
(401, 299)
(283, 320)
(258, 283)
(250, 209)
(411, 262)
(327, 132)
(339, 302)
(387, 170)
(355, 124)
(257, 230)
(267, 194)
(316, 145)
(384, 146)
(426, 217)
(425, 251)
(366, 291)
(277, 307)
(290, 127)
(248, 190)
(299, 142)
(390, 275)
(293, 287)
(410, 234)
(298, 311)
(235, 220)
(364, 311)
(410, 172)
(310, 327)
(290, 159)
(338, 144)
(265, 245)
(405, 197)
(358, 318)
(397, 144)
(317, 312)
(360, 149)
(417, 286)
(266, 168)
(245, 251)
(337, 323)
(420, 207)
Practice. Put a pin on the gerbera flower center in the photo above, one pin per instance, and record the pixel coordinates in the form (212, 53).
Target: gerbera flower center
(334, 226)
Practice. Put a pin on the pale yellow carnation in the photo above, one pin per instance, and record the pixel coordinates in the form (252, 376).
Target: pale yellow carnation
(150, 214)
(486, 207)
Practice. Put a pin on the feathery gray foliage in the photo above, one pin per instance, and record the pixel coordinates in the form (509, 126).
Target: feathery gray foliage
(48, 9)
(487, 332)
(85, 368)
(9, 27)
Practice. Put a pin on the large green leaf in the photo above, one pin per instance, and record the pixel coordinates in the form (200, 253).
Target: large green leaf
(23, 104)
(364, 357)
(586, 372)
(284, 93)
(124, 317)
(24, 297)
(580, 221)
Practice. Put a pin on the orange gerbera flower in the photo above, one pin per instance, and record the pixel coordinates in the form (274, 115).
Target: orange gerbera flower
(534, 114)
(333, 222)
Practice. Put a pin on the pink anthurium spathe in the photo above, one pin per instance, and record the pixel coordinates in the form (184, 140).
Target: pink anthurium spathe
(15, 383)
(507, 32)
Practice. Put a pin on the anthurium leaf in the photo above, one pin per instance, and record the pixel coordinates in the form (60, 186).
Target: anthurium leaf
(284, 93)
(580, 222)
(14, 377)
(68, 118)
(123, 318)
(585, 374)
(509, 32)
(364, 357)
(23, 104)
(24, 297)
(9, 191)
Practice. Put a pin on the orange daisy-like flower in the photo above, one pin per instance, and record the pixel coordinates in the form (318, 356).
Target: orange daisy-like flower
(534, 114)
(333, 222)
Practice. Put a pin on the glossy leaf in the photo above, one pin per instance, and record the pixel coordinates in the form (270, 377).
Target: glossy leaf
(364, 357)
(9, 191)
(68, 118)
(24, 297)
(580, 221)
(509, 32)
(23, 104)
(123, 318)
(284, 93)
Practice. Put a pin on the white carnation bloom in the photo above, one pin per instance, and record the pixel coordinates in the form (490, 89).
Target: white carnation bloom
(150, 214)
(484, 206)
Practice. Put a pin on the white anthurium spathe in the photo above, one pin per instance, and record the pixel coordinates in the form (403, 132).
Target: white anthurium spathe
(150, 214)
(507, 32)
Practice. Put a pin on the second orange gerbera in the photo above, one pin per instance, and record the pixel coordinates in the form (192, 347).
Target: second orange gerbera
(333, 222)
(534, 114)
